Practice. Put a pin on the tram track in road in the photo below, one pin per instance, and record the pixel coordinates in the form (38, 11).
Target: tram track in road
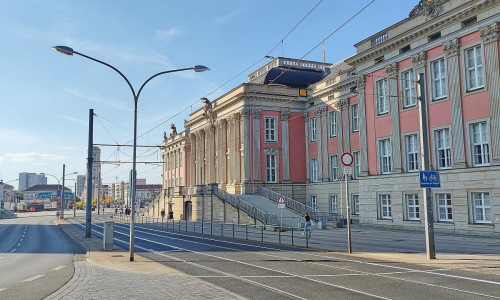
(153, 237)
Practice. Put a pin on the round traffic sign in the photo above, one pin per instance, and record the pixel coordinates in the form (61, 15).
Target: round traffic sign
(346, 159)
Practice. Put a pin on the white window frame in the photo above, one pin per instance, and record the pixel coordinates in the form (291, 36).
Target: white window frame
(382, 96)
(385, 156)
(334, 167)
(481, 207)
(314, 202)
(439, 86)
(385, 206)
(480, 145)
(474, 68)
(444, 204)
(412, 148)
(356, 164)
(354, 118)
(334, 204)
(271, 168)
(314, 170)
(442, 143)
(408, 88)
(332, 117)
(270, 129)
(355, 204)
(412, 204)
(312, 129)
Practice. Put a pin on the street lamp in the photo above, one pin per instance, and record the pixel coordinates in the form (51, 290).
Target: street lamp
(198, 68)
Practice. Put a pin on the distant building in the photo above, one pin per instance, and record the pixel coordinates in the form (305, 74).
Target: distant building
(27, 180)
(80, 184)
(45, 191)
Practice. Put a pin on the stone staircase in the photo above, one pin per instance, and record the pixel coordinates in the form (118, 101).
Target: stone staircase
(285, 217)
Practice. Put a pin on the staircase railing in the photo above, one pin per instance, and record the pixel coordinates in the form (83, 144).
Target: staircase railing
(252, 211)
(301, 208)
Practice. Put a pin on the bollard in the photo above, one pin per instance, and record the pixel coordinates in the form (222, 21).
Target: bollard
(246, 231)
(221, 229)
(233, 230)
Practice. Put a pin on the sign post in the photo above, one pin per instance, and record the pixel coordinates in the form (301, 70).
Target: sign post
(347, 161)
(281, 204)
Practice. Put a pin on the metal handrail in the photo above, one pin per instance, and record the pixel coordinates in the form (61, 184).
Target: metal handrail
(246, 207)
(299, 207)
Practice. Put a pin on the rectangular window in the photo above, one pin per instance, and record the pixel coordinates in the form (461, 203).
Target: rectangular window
(356, 170)
(385, 206)
(438, 74)
(412, 207)
(271, 170)
(412, 153)
(385, 159)
(334, 167)
(314, 170)
(469, 22)
(474, 68)
(481, 207)
(270, 129)
(480, 144)
(312, 126)
(314, 203)
(444, 208)
(334, 204)
(382, 97)
(408, 85)
(355, 204)
(332, 116)
(354, 118)
(435, 37)
(443, 148)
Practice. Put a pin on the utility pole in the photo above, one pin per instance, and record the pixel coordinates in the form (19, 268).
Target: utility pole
(62, 192)
(430, 245)
(88, 204)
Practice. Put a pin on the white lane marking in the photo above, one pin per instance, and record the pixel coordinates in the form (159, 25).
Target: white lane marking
(1, 257)
(34, 278)
(58, 268)
(2, 290)
(13, 250)
(19, 244)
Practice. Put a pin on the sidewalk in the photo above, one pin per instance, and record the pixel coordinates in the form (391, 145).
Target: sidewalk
(110, 275)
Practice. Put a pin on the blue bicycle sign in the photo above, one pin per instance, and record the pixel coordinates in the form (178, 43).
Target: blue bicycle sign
(429, 179)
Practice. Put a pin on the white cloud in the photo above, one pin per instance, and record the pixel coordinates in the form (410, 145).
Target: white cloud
(168, 34)
(75, 120)
(32, 156)
(227, 18)
(1, 160)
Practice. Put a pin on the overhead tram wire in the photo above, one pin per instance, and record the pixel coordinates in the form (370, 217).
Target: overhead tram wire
(329, 36)
(324, 39)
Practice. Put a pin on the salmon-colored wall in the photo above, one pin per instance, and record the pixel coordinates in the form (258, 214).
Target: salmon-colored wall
(297, 147)
(409, 120)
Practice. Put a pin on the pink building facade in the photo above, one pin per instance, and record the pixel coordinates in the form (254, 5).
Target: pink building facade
(265, 133)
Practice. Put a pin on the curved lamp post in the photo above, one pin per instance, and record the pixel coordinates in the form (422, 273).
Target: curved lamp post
(62, 189)
(198, 68)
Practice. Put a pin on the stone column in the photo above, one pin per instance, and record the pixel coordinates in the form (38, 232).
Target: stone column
(420, 62)
(211, 157)
(236, 151)
(319, 141)
(224, 160)
(347, 132)
(362, 127)
(230, 150)
(285, 145)
(489, 34)
(246, 145)
(198, 159)
(203, 157)
(308, 167)
(340, 131)
(451, 49)
(192, 159)
(217, 152)
(186, 158)
(256, 146)
(324, 137)
(392, 71)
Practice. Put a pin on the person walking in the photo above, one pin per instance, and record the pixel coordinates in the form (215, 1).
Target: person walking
(307, 226)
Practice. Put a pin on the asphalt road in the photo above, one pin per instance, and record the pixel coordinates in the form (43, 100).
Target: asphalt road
(36, 257)
(264, 271)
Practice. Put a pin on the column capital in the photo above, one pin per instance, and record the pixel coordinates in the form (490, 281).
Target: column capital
(360, 83)
(451, 47)
(419, 60)
(320, 111)
(187, 145)
(246, 113)
(392, 70)
(285, 115)
(489, 33)
(256, 114)
(342, 103)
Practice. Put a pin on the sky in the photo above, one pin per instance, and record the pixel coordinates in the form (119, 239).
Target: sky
(46, 96)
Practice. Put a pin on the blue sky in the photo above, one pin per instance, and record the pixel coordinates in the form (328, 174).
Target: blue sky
(46, 96)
